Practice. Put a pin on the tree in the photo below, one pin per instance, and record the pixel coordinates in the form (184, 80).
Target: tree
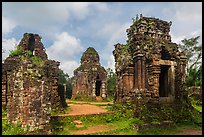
(194, 52)
(194, 77)
(65, 79)
(194, 56)
(111, 82)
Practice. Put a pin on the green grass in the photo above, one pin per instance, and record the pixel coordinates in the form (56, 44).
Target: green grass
(121, 120)
(122, 126)
(89, 99)
(10, 129)
(67, 124)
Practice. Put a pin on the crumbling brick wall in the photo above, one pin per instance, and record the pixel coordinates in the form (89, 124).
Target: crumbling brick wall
(150, 64)
(29, 99)
(30, 89)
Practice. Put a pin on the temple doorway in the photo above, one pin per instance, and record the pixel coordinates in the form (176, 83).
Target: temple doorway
(163, 81)
(98, 85)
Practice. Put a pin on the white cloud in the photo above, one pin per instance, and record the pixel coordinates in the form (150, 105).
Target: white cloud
(111, 63)
(7, 25)
(69, 66)
(7, 46)
(64, 49)
(49, 15)
(65, 46)
(117, 34)
(177, 38)
(188, 11)
(186, 20)
(80, 10)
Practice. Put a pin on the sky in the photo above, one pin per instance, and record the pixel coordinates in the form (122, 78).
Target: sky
(68, 29)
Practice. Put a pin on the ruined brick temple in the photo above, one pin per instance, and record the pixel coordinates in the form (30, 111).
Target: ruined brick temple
(30, 87)
(150, 64)
(90, 78)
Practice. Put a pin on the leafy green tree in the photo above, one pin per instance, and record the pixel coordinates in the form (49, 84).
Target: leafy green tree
(111, 87)
(194, 77)
(194, 52)
(194, 56)
(65, 79)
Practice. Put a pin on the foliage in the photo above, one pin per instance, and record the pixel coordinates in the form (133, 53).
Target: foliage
(194, 77)
(111, 82)
(196, 102)
(194, 56)
(11, 129)
(16, 52)
(29, 53)
(135, 19)
(37, 61)
(65, 79)
(194, 51)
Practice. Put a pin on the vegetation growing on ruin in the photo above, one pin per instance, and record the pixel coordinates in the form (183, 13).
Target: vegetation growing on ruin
(37, 61)
(91, 52)
(16, 52)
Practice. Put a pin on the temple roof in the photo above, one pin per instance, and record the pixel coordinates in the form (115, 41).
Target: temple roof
(90, 55)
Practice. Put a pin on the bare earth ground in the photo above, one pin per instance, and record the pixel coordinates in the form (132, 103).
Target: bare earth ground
(93, 129)
(84, 109)
(87, 108)
(190, 132)
(86, 102)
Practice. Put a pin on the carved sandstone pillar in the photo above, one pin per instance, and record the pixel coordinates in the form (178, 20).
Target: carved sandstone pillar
(138, 71)
(156, 73)
(136, 76)
(103, 89)
(94, 89)
(143, 73)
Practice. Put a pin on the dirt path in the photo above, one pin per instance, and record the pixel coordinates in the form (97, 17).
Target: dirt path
(84, 109)
(87, 108)
(190, 132)
(94, 129)
(86, 102)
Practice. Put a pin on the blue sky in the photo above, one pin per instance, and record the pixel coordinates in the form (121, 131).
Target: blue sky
(67, 29)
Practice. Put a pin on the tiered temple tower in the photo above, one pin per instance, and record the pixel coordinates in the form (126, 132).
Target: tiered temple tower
(150, 64)
(90, 78)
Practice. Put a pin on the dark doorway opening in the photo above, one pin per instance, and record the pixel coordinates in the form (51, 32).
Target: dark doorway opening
(163, 81)
(98, 85)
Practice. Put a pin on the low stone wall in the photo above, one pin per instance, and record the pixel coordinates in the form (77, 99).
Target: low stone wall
(146, 126)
